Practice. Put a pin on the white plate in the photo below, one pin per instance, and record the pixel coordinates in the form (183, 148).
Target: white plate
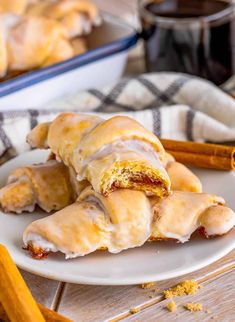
(151, 262)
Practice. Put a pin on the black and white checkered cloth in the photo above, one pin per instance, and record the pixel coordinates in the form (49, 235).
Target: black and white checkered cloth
(171, 105)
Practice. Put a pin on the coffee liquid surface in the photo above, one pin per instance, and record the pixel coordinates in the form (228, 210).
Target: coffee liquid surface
(205, 49)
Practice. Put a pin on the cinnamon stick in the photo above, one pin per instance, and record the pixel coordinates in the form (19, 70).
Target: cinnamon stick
(3, 315)
(15, 296)
(204, 155)
(49, 315)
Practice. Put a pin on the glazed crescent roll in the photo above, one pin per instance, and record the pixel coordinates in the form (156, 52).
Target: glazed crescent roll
(77, 16)
(110, 154)
(31, 42)
(118, 222)
(35, 34)
(182, 179)
(35, 40)
(38, 136)
(24, 191)
(182, 213)
(46, 185)
(14, 6)
(17, 7)
(126, 219)
(63, 134)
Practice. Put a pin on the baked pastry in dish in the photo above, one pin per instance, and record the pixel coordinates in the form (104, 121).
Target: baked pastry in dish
(77, 16)
(33, 42)
(35, 34)
(126, 219)
(14, 6)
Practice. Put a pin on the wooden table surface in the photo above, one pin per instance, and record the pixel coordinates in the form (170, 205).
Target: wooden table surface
(112, 303)
(85, 303)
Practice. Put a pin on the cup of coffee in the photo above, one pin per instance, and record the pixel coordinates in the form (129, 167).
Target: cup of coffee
(190, 36)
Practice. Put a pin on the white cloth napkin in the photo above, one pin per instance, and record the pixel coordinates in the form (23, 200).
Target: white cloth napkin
(187, 107)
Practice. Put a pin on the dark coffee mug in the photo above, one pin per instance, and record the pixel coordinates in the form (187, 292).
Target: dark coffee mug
(190, 36)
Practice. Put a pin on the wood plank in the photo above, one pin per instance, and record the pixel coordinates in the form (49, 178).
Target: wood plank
(216, 296)
(82, 302)
(43, 289)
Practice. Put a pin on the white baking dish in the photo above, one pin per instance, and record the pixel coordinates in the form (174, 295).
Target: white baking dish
(103, 63)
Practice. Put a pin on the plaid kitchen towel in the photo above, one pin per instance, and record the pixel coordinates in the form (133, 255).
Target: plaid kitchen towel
(176, 106)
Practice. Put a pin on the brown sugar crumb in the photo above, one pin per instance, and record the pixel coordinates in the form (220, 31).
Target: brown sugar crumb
(184, 288)
(146, 286)
(134, 310)
(193, 307)
(171, 306)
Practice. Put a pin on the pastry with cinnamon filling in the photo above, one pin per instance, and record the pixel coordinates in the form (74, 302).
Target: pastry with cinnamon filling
(126, 219)
(110, 154)
(22, 190)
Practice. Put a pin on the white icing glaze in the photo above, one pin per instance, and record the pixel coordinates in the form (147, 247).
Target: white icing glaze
(122, 235)
(40, 242)
(223, 229)
(86, 246)
(115, 237)
(116, 148)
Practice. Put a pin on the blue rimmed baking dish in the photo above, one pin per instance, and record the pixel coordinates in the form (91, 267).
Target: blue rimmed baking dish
(103, 63)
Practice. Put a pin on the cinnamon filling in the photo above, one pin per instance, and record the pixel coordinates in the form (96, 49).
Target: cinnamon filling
(36, 253)
(145, 180)
(142, 180)
(153, 239)
(202, 232)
